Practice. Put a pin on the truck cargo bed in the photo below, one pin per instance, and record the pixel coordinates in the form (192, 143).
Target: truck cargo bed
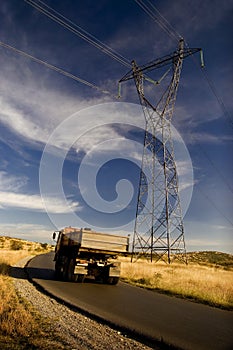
(89, 240)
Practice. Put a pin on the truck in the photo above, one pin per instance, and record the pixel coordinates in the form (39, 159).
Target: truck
(81, 253)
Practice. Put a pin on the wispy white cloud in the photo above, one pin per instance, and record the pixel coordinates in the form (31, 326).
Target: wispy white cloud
(200, 243)
(35, 118)
(208, 236)
(13, 196)
(107, 143)
(35, 203)
(11, 182)
(33, 105)
(204, 137)
(18, 121)
(31, 232)
(94, 137)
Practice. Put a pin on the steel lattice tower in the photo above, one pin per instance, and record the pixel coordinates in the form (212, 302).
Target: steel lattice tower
(159, 228)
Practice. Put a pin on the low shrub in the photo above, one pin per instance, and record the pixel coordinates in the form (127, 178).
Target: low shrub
(16, 245)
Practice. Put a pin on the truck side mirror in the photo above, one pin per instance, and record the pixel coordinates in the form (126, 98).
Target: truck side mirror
(54, 235)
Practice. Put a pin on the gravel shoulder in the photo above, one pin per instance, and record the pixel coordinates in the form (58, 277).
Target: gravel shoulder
(70, 329)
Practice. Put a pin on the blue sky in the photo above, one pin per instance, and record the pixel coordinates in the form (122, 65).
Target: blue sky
(50, 125)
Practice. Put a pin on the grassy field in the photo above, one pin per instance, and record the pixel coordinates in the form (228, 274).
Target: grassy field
(21, 327)
(208, 277)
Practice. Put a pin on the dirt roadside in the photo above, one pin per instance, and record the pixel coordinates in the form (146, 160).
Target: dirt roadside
(72, 330)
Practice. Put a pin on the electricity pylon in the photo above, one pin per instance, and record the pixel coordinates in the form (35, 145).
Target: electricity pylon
(159, 228)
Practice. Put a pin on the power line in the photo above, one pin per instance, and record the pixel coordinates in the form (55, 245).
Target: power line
(151, 9)
(168, 24)
(213, 89)
(216, 169)
(56, 69)
(214, 205)
(169, 29)
(218, 98)
(158, 18)
(77, 30)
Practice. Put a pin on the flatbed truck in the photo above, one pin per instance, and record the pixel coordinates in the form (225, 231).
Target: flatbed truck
(81, 253)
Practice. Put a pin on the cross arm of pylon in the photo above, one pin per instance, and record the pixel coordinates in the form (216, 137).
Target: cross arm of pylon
(161, 62)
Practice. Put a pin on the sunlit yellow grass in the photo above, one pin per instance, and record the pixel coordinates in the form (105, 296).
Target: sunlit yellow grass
(16, 318)
(20, 326)
(12, 256)
(206, 284)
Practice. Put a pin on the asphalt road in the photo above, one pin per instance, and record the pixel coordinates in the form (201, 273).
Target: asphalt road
(181, 323)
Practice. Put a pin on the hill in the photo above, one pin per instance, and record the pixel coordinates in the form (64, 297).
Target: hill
(10, 243)
(211, 259)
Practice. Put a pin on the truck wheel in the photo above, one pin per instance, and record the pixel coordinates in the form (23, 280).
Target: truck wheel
(112, 280)
(70, 271)
(99, 279)
(58, 274)
(64, 270)
(80, 278)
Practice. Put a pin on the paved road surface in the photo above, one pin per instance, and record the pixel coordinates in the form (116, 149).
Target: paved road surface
(184, 324)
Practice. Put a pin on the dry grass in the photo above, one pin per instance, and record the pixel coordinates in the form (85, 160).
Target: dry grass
(17, 319)
(207, 284)
(208, 279)
(21, 327)
(11, 257)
